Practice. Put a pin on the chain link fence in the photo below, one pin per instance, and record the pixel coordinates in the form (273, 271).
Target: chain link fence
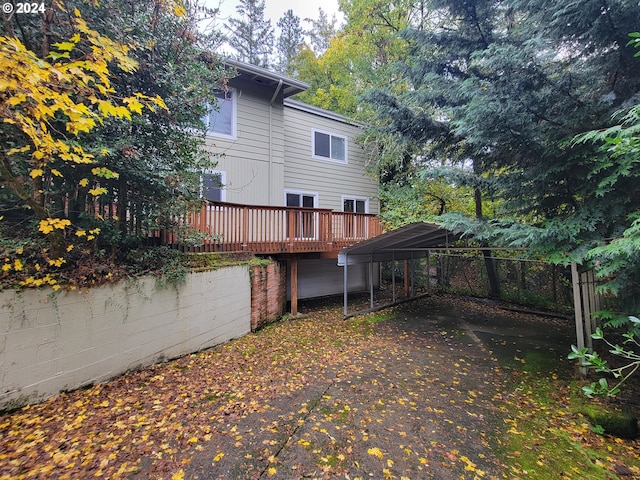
(521, 281)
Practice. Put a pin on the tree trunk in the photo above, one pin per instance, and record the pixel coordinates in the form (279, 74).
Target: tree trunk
(489, 261)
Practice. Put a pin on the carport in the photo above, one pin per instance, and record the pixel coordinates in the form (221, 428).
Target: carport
(416, 240)
(411, 242)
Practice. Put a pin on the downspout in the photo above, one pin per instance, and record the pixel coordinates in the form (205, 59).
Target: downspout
(273, 99)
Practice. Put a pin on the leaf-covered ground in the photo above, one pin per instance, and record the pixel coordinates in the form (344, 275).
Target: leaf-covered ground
(439, 388)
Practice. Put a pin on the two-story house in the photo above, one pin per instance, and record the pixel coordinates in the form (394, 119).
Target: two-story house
(289, 181)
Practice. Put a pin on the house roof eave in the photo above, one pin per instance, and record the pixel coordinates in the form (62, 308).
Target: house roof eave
(305, 107)
(263, 76)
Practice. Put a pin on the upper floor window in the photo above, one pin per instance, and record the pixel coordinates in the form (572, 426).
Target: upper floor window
(221, 119)
(329, 146)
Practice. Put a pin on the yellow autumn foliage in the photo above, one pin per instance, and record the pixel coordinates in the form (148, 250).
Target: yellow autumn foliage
(70, 85)
(376, 452)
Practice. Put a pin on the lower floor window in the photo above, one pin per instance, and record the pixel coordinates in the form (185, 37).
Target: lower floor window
(354, 226)
(212, 186)
(305, 222)
(356, 205)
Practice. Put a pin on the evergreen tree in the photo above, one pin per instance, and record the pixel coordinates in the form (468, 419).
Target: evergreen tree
(289, 41)
(508, 84)
(251, 35)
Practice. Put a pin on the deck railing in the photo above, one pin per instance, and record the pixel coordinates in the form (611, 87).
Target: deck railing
(228, 227)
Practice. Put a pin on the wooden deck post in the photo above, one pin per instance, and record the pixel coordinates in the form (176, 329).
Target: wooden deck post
(291, 230)
(294, 286)
(245, 228)
(203, 218)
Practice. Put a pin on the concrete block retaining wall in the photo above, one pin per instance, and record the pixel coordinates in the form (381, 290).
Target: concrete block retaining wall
(62, 341)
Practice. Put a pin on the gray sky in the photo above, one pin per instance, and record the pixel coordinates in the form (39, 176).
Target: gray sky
(274, 9)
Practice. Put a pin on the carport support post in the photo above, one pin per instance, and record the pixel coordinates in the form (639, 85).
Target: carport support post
(428, 271)
(294, 286)
(371, 280)
(406, 278)
(345, 283)
(577, 307)
(393, 275)
(413, 283)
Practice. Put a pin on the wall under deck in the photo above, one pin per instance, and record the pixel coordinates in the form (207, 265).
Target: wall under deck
(323, 277)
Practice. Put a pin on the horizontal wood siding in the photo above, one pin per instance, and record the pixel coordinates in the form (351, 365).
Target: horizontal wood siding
(253, 162)
(331, 180)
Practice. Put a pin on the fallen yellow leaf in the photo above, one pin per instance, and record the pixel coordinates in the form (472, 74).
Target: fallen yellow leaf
(375, 451)
(179, 475)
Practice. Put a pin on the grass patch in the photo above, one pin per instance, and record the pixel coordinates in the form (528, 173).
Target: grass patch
(547, 436)
(365, 323)
(538, 362)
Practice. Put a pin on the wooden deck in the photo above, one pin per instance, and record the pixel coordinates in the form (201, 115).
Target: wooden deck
(229, 227)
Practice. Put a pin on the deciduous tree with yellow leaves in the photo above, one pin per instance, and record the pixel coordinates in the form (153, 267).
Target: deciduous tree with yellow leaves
(79, 106)
(39, 95)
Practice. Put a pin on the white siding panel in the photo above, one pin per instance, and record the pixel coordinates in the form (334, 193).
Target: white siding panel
(321, 277)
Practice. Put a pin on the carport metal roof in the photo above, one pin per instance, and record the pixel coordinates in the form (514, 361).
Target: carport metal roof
(410, 241)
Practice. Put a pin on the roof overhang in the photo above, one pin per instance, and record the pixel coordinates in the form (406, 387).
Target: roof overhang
(260, 75)
(321, 112)
(411, 241)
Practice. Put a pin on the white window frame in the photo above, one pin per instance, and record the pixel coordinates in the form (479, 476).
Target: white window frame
(351, 227)
(232, 92)
(223, 181)
(315, 205)
(301, 192)
(355, 198)
(331, 134)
